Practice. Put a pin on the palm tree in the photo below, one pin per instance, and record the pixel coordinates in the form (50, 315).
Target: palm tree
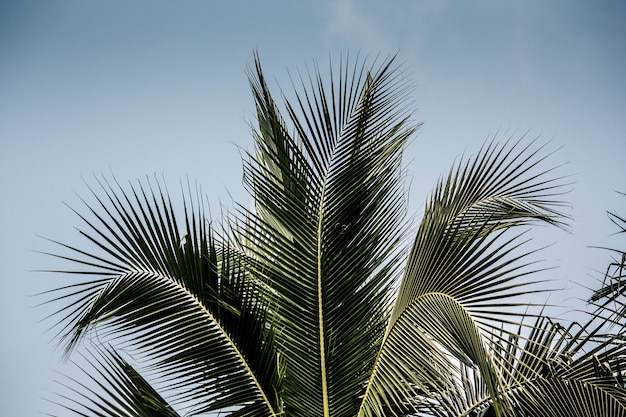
(320, 300)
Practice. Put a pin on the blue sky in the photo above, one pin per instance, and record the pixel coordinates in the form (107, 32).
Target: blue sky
(144, 87)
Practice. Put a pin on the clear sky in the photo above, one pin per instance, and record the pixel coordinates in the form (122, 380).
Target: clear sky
(143, 87)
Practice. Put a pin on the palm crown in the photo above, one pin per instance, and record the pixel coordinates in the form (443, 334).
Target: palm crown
(320, 300)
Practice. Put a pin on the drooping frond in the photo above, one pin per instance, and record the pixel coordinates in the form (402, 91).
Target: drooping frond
(172, 295)
(461, 273)
(118, 390)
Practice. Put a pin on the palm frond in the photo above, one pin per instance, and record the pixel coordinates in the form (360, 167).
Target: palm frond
(328, 219)
(567, 371)
(117, 390)
(547, 369)
(185, 303)
(461, 255)
(614, 284)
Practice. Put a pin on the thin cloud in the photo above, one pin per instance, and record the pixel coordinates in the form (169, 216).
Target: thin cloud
(351, 24)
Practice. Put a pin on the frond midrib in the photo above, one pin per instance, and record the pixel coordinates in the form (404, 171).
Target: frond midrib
(224, 333)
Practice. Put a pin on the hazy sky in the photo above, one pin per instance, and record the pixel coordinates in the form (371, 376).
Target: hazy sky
(144, 87)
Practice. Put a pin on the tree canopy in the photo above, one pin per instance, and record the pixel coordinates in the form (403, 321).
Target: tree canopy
(321, 299)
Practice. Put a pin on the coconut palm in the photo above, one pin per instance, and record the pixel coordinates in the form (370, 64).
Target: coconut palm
(321, 299)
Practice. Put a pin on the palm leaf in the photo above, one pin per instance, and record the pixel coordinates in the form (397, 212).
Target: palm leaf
(186, 304)
(121, 390)
(327, 221)
(568, 371)
(460, 273)
(552, 371)
(613, 286)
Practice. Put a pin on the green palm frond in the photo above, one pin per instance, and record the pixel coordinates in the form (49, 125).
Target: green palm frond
(462, 273)
(119, 390)
(567, 371)
(614, 284)
(186, 304)
(328, 186)
(547, 369)
(564, 398)
(467, 395)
